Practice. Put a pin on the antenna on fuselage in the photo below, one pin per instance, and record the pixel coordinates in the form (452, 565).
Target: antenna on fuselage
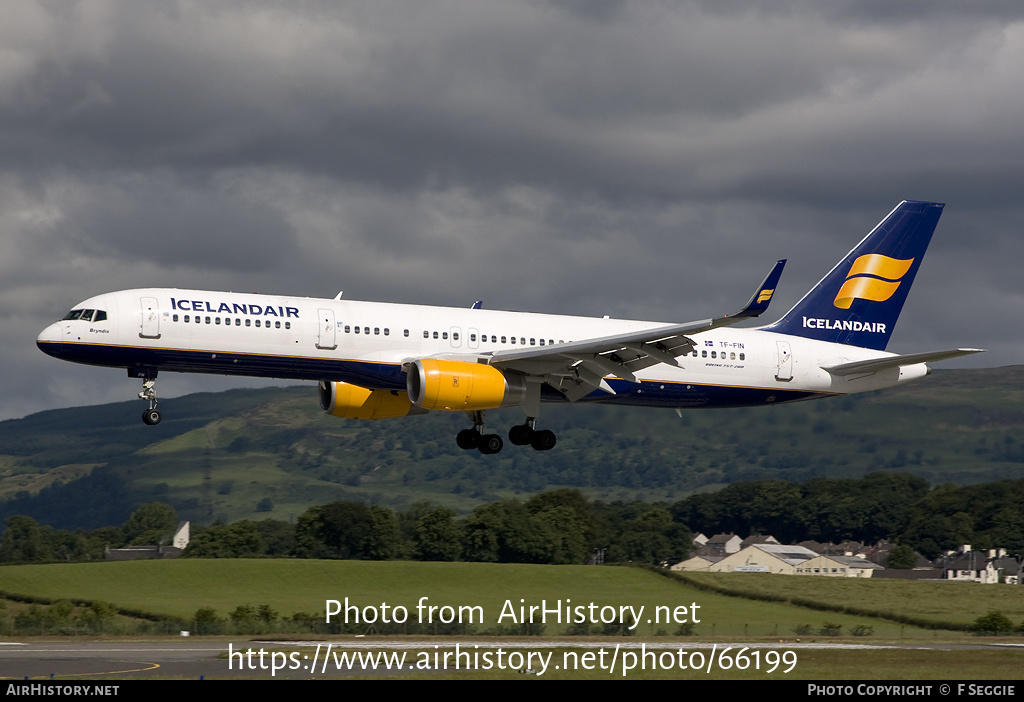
(338, 296)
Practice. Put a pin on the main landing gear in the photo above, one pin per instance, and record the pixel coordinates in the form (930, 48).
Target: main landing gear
(476, 439)
(525, 434)
(150, 416)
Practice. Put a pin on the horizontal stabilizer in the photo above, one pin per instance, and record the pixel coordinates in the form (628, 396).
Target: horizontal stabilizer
(873, 365)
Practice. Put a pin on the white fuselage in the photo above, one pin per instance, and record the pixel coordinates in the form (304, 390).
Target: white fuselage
(367, 343)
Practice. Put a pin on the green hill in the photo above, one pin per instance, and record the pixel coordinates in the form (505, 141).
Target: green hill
(218, 456)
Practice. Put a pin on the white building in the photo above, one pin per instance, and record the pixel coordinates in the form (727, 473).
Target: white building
(838, 567)
(765, 558)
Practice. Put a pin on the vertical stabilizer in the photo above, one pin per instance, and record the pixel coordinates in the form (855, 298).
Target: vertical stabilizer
(859, 301)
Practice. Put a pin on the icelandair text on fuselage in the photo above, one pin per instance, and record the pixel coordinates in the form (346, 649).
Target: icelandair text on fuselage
(845, 325)
(233, 308)
(546, 612)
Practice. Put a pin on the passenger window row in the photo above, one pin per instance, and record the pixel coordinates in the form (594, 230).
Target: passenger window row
(100, 315)
(350, 329)
(227, 321)
(722, 355)
(512, 340)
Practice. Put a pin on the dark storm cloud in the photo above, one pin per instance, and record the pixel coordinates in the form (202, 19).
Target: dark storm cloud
(156, 217)
(642, 159)
(649, 101)
(482, 94)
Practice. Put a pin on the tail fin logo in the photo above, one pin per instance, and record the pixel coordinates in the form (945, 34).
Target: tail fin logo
(872, 277)
(765, 295)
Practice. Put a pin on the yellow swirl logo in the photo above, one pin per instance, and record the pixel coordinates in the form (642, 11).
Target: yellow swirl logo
(872, 277)
(765, 295)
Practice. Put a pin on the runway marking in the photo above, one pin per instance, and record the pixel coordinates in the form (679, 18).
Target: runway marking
(152, 666)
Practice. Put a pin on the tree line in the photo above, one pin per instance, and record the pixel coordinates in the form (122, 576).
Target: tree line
(555, 527)
(27, 541)
(563, 526)
(885, 505)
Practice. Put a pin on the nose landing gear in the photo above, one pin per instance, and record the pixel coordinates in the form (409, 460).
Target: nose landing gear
(150, 416)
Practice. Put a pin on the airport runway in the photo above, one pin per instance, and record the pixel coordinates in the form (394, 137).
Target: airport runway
(190, 658)
(96, 660)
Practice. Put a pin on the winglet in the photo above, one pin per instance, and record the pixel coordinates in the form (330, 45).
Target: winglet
(762, 298)
(478, 305)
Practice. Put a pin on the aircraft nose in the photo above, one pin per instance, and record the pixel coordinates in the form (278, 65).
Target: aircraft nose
(49, 340)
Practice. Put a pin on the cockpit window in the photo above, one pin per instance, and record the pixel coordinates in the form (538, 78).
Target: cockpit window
(87, 315)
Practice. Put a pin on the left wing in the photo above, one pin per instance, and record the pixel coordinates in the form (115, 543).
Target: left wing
(579, 367)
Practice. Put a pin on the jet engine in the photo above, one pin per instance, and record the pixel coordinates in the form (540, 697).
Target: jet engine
(354, 402)
(458, 386)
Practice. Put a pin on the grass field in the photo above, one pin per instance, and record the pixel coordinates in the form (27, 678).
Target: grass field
(179, 587)
(938, 602)
(486, 592)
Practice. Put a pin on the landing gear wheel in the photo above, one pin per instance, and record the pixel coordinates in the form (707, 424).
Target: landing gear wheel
(543, 440)
(468, 439)
(490, 443)
(150, 416)
(521, 434)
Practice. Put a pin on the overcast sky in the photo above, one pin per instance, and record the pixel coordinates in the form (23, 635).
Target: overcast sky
(641, 159)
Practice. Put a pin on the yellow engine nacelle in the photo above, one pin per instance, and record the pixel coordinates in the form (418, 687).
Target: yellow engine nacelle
(355, 402)
(458, 386)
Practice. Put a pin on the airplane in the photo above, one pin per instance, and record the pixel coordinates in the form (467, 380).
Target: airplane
(381, 360)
